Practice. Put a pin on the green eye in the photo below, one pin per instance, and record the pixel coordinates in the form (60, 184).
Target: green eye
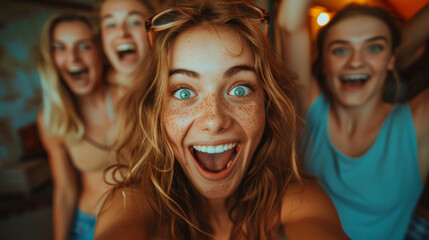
(84, 47)
(239, 91)
(184, 94)
(110, 25)
(58, 48)
(339, 51)
(135, 23)
(375, 48)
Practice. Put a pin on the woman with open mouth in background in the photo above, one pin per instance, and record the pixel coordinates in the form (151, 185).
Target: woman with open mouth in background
(207, 150)
(75, 123)
(371, 155)
(124, 39)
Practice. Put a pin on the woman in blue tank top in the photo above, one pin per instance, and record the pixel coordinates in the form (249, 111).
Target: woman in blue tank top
(370, 155)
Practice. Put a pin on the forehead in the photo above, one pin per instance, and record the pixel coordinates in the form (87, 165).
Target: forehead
(358, 28)
(121, 6)
(205, 48)
(71, 30)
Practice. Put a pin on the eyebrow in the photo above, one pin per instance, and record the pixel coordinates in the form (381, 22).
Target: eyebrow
(368, 40)
(55, 41)
(134, 12)
(183, 71)
(227, 74)
(236, 69)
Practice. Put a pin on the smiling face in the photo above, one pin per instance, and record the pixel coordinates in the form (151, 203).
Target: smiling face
(357, 57)
(76, 56)
(213, 110)
(123, 34)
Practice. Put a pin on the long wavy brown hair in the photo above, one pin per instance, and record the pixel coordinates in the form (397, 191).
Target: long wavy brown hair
(61, 117)
(145, 158)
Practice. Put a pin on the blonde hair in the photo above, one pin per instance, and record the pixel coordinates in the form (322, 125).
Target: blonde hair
(146, 160)
(60, 116)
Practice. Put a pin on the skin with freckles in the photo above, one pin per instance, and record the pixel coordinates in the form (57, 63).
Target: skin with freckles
(213, 114)
(207, 150)
(73, 47)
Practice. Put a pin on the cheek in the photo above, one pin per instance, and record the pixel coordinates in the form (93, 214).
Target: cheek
(331, 65)
(139, 34)
(58, 59)
(106, 39)
(381, 64)
(92, 58)
(251, 118)
(177, 119)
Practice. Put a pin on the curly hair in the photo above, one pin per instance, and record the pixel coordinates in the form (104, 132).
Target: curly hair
(146, 160)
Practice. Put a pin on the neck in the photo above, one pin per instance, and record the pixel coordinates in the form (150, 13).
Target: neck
(118, 83)
(353, 119)
(93, 98)
(219, 218)
(118, 78)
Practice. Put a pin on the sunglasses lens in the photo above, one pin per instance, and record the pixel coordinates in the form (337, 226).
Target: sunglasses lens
(166, 18)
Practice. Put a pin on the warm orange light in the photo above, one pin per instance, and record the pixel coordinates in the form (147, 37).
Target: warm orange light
(323, 19)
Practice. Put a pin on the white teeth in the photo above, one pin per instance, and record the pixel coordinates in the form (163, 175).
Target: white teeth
(75, 69)
(125, 47)
(355, 77)
(211, 149)
(228, 164)
(214, 149)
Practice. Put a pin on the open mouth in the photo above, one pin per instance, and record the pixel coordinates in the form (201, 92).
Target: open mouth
(214, 159)
(354, 80)
(126, 52)
(79, 73)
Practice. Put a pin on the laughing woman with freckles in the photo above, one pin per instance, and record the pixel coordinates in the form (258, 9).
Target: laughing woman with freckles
(370, 155)
(207, 150)
(76, 122)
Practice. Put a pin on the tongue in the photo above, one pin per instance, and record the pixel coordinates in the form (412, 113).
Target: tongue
(128, 56)
(354, 82)
(214, 162)
(80, 76)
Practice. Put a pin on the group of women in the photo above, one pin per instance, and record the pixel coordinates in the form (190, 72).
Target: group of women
(191, 129)
(80, 104)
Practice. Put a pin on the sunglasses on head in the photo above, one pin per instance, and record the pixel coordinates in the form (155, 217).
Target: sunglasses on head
(173, 17)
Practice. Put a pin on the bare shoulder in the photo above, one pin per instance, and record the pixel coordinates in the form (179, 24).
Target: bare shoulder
(308, 213)
(51, 143)
(125, 215)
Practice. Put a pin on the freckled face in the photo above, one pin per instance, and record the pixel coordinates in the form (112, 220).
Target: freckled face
(213, 111)
(357, 57)
(123, 34)
(76, 56)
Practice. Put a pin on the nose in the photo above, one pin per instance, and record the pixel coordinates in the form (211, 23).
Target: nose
(73, 55)
(214, 117)
(356, 60)
(124, 31)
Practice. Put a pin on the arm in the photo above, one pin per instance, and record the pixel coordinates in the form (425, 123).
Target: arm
(308, 213)
(414, 34)
(296, 47)
(64, 182)
(125, 216)
(420, 110)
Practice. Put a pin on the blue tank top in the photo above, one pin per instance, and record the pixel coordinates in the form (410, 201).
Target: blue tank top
(375, 194)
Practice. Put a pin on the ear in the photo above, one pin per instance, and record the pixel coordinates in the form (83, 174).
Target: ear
(391, 63)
